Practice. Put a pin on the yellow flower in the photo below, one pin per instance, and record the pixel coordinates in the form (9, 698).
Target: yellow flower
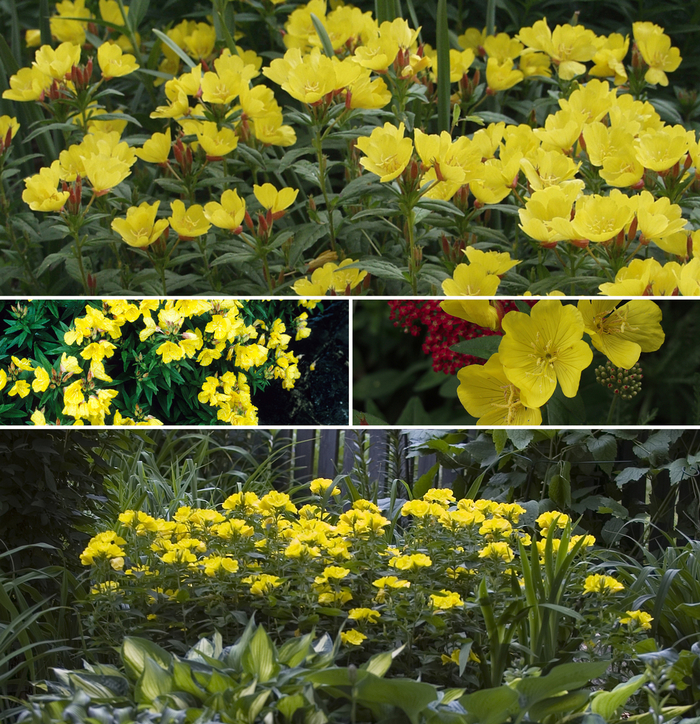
(645, 277)
(28, 84)
(546, 215)
(470, 280)
(623, 333)
(337, 277)
(38, 418)
(364, 614)
(105, 172)
(188, 222)
(320, 485)
(70, 30)
(140, 228)
(40, 192)
(486, 393)
(549, 518)
(216, 142)
(273, 200)
(659, 150)
(228, 214)
(411, 562)
(156, 149)
(499, 550)
(655, 47)
(502, 74)
(41, 380)
(445, 600)
(601, 218)
(250, 355)
(638, 618)
(609, 56)
(57, 63)
(387, 152)
(170, 351)
(113, 62)
(569, 46)
(21, 388)
(70, 363)
(542, 348)
(391, 582)
(214, 564)
(98, 350)
(353, 637)
(7, 123)
(599, 583)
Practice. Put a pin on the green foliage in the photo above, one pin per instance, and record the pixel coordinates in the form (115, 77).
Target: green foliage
(622, 482)
(251, 681)
(254, 680)
(38, 626)
(51, 488)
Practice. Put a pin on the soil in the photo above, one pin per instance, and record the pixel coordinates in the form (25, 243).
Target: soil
(320, 396)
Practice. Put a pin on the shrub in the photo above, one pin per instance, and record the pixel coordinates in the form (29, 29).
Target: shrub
(456, 584)
(356, 148)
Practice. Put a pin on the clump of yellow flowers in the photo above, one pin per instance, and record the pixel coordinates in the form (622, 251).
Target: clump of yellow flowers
(228, 192)
(312, 560)
(545, 349)
(192, 360)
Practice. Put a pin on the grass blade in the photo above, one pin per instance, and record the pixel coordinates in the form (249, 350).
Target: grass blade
(44, 24)
(443, 55)
(175, 48)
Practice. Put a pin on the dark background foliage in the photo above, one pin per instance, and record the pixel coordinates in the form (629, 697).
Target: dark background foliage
(52, 483)
(394, 381)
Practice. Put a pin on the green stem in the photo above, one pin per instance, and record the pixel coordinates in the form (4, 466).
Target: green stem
(78, 250)
(610, 411)
(412, 270)
(322, 179)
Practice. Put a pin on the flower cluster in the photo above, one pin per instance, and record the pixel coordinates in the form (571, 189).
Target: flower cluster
(545, 348)
(597, 183)
(217, 351)
(317, 562)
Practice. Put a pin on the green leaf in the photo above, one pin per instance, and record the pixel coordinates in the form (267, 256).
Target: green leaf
(406, 694)
(154, 682)
(628, 475)
(606, 703)
(413, 413)
(294, 651)
(521, 438)
(482, 347)
(567, 703)
(136, 650)
(323, 35)
(425, 481)
(183, 681)
(561, 678)
(500, 438)
(175, 48)
(492, 706)
(260, 657)
(379, 664)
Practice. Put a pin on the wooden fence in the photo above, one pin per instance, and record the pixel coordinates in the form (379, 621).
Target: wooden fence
(380, 455)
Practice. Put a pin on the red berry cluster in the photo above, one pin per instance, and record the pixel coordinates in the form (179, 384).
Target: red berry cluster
(444, 331)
